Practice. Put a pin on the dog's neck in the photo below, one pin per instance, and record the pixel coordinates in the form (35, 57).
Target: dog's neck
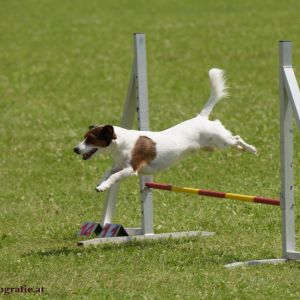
(116, 147)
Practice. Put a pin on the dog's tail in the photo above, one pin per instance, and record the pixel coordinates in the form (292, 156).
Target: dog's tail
(218, 90)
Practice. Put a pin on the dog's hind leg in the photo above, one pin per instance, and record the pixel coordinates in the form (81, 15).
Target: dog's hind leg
(239, 143)
(115, 177)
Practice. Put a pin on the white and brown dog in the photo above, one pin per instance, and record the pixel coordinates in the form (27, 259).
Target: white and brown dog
(146, 152)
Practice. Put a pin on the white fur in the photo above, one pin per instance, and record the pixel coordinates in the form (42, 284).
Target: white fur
(173, 143)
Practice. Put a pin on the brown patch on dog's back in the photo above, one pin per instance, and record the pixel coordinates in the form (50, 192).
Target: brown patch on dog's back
(144, 151)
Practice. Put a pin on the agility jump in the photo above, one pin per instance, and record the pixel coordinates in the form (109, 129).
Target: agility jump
(137, 102)
(200, 192)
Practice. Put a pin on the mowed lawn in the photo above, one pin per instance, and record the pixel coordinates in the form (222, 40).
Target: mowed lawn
(65, 65)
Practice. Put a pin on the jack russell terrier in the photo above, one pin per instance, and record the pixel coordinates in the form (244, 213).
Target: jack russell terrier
(146, 152)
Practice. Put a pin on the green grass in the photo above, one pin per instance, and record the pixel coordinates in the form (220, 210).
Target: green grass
(65, 65)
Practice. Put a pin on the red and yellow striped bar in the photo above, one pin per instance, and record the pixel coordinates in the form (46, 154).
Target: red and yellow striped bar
(245, 198)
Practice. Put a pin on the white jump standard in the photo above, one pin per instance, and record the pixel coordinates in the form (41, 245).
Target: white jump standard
(289, 106)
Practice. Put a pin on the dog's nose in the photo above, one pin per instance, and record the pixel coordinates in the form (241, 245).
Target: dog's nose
(76, 150)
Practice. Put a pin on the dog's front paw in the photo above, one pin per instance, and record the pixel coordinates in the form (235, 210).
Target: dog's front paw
(102, 187)
(99, 190)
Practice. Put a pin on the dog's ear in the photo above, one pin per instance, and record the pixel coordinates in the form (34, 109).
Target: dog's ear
(109, 133)
(92, 127)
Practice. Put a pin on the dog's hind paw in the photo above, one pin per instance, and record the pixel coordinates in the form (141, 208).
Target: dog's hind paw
(253, 150)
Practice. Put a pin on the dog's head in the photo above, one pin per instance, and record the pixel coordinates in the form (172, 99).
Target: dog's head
(96, 139)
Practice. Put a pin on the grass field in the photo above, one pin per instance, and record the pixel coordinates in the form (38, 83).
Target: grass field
(65, 65)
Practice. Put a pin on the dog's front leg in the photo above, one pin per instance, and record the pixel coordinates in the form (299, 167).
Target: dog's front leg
(115, 177)
(108, 173)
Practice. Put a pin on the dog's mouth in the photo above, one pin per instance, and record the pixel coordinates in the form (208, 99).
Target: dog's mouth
(88, 155)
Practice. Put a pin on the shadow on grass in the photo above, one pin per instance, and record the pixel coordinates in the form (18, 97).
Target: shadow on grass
(132, 246)
(64, 251)
(193, 252)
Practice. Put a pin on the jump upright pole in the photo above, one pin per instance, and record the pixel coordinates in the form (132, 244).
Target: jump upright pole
(200, 192)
